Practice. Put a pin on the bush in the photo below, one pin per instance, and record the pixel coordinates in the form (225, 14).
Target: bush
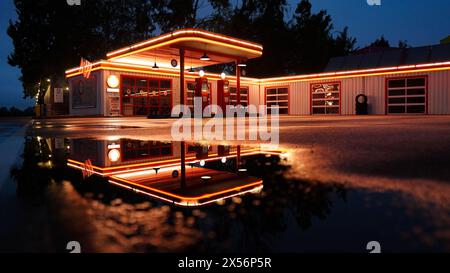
(16, 112)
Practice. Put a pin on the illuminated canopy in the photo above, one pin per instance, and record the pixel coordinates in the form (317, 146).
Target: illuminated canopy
(141, 57)
(195, 42)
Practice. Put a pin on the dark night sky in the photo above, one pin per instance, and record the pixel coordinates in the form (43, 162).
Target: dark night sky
(420, 22)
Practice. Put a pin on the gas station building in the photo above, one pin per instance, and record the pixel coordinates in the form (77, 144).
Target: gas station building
(149, 78)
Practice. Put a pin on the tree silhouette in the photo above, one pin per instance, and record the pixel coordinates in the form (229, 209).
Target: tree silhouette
(381, 43)
(50, 36)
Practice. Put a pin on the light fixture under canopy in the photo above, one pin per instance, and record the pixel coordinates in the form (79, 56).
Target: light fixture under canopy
(205, 57)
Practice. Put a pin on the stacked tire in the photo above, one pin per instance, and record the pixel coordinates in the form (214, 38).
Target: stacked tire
(361, 105)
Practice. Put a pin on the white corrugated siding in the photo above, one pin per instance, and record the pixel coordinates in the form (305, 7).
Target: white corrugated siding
(374, 87)
(438, 93)
(255, 95)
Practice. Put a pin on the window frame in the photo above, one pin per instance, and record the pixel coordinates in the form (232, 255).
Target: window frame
(159, 145)
(406, 96)
(186, 91)
(148, 87)
(311, 104)
(247, 88)
(277, 95)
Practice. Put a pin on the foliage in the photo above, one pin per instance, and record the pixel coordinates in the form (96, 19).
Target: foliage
(381, 43)
(50, 36)
(15, 112)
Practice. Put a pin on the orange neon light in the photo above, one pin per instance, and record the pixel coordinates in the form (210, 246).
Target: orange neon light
(131, 165)
(196, 204)
(168, 162)
(185, 203)
(182, 198)
(202, 40)
(365, 72)
(299, 78)
(186, 199)
(188, 32)
(169, 73)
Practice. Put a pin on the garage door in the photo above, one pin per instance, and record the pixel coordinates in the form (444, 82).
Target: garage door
(278, 97)
(325, 98)
(407, 96)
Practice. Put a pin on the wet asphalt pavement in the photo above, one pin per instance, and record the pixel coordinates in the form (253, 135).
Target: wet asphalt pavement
(396, 170)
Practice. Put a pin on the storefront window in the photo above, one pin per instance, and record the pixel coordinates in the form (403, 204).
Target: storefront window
(133, 150)
(143, 96)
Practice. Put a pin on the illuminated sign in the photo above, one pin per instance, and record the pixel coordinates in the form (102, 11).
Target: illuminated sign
(113, 81)
(114, 155)
(85, 68)
(58, 95)
(113, 84)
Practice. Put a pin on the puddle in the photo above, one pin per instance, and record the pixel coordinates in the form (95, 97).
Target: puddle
(180, 173)
(131, 195)
(38, 125)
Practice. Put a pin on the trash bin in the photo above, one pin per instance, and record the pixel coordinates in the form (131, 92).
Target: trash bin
(361, 105)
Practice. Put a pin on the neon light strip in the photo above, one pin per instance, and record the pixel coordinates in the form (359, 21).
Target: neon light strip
(364, 72)
(169, 73)
(181, 32)
(83, 67)
(202, 40)
(358, 75)
(83, 169)
(139, 191)
(147, 165)
(196, 204)
(139, 172)
(148, 171)
(183, 198)
(188, 204)
(301, 78)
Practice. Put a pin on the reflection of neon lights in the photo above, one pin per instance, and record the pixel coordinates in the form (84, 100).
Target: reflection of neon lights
(87, 169)
(147, 172)
(191, 203)
(138, 191)
(114, 155)
(114, 146)
(196, 204)
(205, 196)
(132, 168)
(82, 169)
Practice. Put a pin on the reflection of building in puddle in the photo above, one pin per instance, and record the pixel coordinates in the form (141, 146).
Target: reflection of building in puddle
(185, 174)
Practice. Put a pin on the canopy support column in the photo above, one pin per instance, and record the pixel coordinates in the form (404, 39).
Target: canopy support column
(182, 53)
(238, 83)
